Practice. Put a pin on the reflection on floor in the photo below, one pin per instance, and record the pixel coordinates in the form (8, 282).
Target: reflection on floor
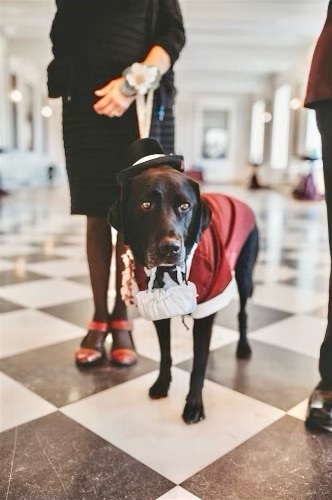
(71, 434)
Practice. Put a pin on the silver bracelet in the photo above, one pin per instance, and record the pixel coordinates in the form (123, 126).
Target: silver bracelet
(127, 89)
(139, 78)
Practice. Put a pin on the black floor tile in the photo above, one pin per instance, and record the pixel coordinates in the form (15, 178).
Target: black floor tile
(7, 306)
(283, 462)
(83, 280)
(286, 250)
(51, 372)
(79, 312)
(15, 277)
(258, 282)
(62, 242)
(302, 264)
(258, 316)
(276, 376)
(54, 458)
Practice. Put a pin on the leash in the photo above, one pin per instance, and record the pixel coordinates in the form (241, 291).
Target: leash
(144, 107)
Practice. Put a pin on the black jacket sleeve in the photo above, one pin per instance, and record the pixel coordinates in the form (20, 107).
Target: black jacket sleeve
(169, 31)
(66, 36)
(62, 29)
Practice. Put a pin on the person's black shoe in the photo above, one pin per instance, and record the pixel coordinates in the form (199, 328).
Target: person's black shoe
(319, 412)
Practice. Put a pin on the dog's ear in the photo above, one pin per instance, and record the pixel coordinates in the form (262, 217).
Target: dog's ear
(201, 217)
(117, 215)
(114, 215)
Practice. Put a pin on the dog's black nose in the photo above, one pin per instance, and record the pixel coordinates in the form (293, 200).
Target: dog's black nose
(169, 246)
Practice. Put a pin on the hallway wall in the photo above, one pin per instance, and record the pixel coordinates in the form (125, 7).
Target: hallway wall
(231, 59)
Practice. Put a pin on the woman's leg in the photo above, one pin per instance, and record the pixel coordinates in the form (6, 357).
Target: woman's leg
(123, 350)
(99, 253)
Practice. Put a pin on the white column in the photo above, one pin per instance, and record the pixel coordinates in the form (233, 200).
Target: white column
(55, 142)
(4, 97)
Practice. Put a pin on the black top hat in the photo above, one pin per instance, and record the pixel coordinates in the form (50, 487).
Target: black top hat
(146, 153)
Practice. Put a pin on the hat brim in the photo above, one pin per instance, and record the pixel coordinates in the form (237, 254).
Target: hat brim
(174, 161)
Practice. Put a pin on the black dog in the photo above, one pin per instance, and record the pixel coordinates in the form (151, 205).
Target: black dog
(162, 214)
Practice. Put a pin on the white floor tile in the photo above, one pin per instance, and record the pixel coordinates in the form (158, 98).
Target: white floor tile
(288, 298)
(300, 410)
(78, 239)
(317, 257)
(20, 405)
(303, 334)
(127, 418)
(45, 228)
(44, 293)
(146, 339)
(16, 249)
(27, 329)
(63, 268)
(71, 251)
(272, 273)
(26, 238)
(299, 242)
(178, 493)
(6, 265)
(323, 272)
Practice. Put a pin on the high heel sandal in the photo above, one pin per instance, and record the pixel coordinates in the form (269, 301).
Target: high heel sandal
(122, 356)
(86, 357)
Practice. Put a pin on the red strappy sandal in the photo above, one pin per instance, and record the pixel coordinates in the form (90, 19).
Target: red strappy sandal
(87, 356)
(122, 356)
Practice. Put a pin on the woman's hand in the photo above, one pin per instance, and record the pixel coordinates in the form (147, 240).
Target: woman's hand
(112, 102)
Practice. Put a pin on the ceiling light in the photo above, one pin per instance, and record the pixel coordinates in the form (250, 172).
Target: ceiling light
(47, 111)
(15, 96)
(295, 103)
(267, 117)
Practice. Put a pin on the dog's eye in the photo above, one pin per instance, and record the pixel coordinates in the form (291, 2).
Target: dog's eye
(146, 205)
(184, 206)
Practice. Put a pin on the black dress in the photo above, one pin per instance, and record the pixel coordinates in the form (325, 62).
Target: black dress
(91, 48)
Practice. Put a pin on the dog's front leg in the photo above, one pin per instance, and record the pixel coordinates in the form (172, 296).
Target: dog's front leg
(194, 411)
(161, 386)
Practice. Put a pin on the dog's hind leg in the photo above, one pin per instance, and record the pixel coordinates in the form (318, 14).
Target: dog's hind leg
(243, 275)
(194, 411)
(161, 386)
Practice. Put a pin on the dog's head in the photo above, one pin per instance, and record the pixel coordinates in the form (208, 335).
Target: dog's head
(161, 215)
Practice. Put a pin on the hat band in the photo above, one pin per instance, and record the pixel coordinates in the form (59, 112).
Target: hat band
(146, 158)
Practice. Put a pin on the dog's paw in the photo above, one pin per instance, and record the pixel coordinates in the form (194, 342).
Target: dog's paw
(159, 389)
(243, 350)
(193, 412)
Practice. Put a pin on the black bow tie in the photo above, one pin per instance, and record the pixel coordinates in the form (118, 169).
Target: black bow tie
(161, 270)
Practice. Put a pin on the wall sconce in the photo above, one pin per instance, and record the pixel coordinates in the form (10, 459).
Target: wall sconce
(15, 96)
(46, 111)
(267, 117)
(295, 104)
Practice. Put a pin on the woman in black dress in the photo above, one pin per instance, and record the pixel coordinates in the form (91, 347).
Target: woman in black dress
(93, 43)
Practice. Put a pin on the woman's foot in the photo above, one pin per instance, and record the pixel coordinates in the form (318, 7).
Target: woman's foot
(319, 411)
(123, 350)
(91, 351)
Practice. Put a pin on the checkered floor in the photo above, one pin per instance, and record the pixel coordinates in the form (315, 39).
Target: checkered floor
(71, 434)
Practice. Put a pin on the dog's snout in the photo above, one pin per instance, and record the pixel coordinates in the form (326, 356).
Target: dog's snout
(170, 246)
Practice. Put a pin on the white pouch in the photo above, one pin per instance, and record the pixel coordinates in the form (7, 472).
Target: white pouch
(161, 303)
